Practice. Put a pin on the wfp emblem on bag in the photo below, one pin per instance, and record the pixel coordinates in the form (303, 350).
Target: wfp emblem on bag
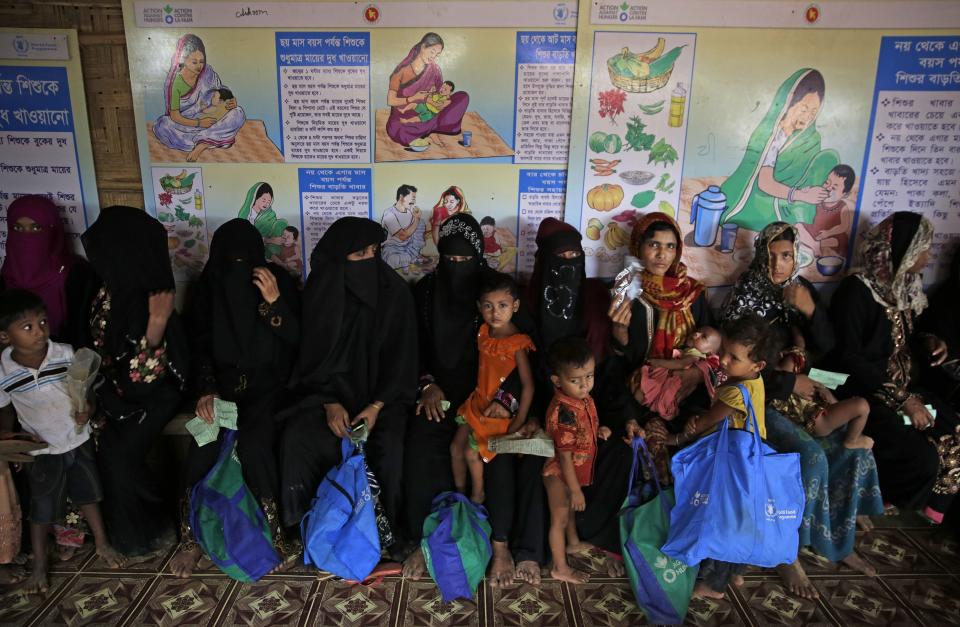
(362, 499)
(670, 571)
(700, 498)
(774, 514)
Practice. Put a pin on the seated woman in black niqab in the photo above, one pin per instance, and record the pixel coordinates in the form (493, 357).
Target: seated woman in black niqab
(358, 363)
(244, 331)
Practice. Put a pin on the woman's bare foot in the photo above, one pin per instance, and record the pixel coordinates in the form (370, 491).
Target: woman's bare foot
(37, 582)
(865, 524)
(570, 575)
(859, 564)
(185, 561)
(12, 573)
(528, 571)
(704, 591)
(415, 565)
(502, 570)
(196, 152)
(796, 581)
(862, 441)
(111, 556)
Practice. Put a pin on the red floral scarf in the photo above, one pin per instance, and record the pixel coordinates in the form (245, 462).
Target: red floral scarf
(672, 294)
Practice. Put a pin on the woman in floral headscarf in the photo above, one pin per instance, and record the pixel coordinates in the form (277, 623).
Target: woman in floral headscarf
(841, 484)
(874, 312)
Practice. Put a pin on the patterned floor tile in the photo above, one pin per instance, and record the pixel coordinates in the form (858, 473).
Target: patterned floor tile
(274, 603)
(184, 602)
(940, 544)
(936, 600)
(770, 604)
(16, 607)
(74, 564)
(714, 612)
(607, 603)
(423, 607)
(594, 563)
(92, 599)
(892, 553)
(905, 520)
(525, 605)
(348, 605)
(862, 602)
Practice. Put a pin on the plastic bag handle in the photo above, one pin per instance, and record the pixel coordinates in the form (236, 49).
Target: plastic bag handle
(347, 448)
(640, 448)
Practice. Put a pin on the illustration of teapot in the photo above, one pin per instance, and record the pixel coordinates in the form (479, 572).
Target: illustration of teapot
(705, 211)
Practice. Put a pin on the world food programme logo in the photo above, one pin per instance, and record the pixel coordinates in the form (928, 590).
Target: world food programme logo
(700, 498)
(20, 45)
(561, 13)
(771, 509)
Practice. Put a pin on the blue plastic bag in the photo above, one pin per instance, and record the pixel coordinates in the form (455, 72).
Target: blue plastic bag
(228, 523)
(456, 545)
(340, 529)
(737, 500)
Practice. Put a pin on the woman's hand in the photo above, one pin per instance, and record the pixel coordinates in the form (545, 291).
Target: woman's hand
(917, 413)
(813, 195)
(797, 295)
(936, 349)
(231, 104)
(529, 428)
(431, 399)
(205, 408)
(420, 96)
(160, 308)
(206, 122)
(804, 387)
(620, 317)
(632, 429)
(267, 284)
(338, 420)
(368, 415)
(824, 394)
(604, 433)
(82, 416)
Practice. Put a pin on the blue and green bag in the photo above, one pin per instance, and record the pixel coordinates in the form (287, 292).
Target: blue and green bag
(661, 585)
(227, 522)
(456, 545)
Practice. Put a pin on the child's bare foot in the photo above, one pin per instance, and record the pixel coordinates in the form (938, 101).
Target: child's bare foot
(704, 591)
(185, 561)
(528, 571)
(737, 581)
(858, 564)
(37, 582)
(570, 575)
(796, 581)
(502, 570)
(111, 556)
(12, 573)
(861, 441)
(865, 524)
(415, 565)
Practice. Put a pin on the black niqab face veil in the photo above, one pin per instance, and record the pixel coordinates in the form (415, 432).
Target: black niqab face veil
(128, 249)
(332, 275)
(454, 308)
(557, 282)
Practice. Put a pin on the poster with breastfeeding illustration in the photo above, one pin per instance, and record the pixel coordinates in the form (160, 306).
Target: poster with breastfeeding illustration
(636, 132)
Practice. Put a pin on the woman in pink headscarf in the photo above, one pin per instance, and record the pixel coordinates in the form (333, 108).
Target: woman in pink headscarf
(413, 81)
(39, 259)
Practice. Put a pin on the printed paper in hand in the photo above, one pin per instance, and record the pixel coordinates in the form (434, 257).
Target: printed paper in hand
(203, 432)
(540, 444)
(828, 379)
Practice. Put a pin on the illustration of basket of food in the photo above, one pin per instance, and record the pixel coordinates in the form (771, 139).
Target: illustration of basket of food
(643, 72)
(177, 184)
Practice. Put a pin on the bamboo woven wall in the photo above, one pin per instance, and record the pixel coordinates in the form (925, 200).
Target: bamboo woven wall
(103, 54)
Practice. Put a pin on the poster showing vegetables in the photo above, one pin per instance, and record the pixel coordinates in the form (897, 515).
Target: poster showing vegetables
(636, 128)
(180, 209)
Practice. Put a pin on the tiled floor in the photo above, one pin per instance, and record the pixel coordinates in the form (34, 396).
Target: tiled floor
(919, 583)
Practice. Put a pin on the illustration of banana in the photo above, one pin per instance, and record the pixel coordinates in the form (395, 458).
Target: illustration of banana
(615, 237)
(653, 53)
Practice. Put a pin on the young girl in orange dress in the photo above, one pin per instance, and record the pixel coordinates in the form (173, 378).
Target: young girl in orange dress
(502, 349)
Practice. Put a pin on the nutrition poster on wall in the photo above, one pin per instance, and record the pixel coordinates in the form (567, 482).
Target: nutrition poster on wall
(407, 112)
(729, 116)
(44, 136)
